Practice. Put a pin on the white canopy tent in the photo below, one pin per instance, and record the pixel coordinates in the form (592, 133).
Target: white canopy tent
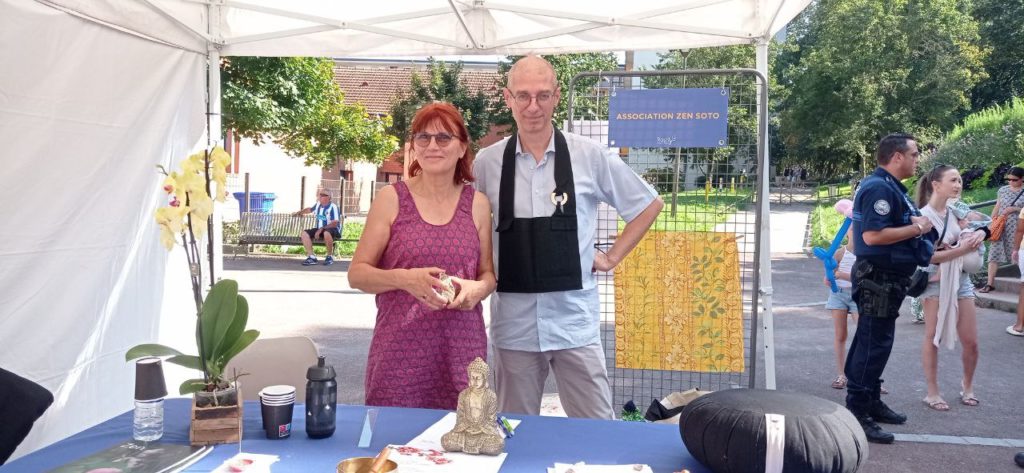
(95, 93)
(439, 27)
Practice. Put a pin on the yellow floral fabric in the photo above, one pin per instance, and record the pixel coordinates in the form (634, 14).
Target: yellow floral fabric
(678, 304)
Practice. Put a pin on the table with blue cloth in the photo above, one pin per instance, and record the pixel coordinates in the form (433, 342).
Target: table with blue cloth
(538, 443)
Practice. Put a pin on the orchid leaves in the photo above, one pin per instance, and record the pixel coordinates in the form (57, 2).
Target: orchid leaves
(223, 318)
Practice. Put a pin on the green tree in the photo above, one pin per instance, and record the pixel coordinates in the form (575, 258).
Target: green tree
(296, 102)
(1001, 25)
(441, 83)
(566, 67)
(865, 68)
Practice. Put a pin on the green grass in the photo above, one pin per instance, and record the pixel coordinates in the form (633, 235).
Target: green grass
(843, 191)
(352, 230)
(825, 221)
(981, 195)
(695, 213)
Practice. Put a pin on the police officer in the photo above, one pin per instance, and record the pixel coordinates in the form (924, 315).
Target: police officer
(891, 239)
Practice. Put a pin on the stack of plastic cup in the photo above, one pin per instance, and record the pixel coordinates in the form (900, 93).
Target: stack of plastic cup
(277, 404)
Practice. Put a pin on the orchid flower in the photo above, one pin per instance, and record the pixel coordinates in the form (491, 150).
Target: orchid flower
(189, 186)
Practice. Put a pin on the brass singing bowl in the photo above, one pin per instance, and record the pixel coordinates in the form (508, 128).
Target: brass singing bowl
(362, 465)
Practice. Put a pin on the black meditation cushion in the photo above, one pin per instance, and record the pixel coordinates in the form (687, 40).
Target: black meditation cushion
(727, 432)
(21, 403)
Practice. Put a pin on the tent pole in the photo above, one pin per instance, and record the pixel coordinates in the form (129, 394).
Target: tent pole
(765, 263)
(213, 137)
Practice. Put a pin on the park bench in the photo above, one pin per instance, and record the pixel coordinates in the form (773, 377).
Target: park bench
(256, 228)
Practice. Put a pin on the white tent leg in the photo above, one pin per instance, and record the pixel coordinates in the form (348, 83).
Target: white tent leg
(767, 320)
(213, 138)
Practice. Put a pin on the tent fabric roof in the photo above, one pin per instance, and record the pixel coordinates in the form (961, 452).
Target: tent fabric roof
(376, 87)
(439, 27)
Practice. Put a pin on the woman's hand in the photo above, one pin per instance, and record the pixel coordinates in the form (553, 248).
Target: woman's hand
(972, 239)
(468, 293)
(420, 283)
(1011, 210)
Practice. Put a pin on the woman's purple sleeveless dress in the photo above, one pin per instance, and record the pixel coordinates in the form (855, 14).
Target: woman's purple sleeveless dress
(418, 357)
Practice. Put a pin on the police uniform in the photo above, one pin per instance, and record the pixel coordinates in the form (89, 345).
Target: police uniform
(881, 277)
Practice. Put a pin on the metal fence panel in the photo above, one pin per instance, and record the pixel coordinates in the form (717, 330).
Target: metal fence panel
(706, 191)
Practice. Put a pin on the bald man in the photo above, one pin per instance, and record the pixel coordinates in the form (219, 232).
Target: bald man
(545, 186)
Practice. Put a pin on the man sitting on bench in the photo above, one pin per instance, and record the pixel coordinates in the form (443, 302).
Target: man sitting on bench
(328, 222)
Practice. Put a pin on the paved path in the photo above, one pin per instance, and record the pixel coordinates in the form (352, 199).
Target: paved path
(956, 440)
(286, 298)
(965, 439)
(789, 228)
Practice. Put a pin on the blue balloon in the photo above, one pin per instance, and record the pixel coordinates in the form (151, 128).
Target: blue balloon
(827, 257)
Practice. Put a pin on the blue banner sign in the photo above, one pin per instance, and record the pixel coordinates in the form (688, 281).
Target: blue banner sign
(669, 118)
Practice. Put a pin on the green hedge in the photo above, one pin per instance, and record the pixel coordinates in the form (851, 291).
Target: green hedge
(987, 138)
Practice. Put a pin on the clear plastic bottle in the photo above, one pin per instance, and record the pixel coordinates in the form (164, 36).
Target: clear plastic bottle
(148, 420)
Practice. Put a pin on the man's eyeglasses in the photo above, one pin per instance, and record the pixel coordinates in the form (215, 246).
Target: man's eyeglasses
(524, 99)
(325, 195)
(423, 139)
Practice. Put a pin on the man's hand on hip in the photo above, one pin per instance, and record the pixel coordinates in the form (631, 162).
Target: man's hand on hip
(602, 262)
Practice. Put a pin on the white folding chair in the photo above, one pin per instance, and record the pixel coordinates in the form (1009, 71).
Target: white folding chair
(271, 361)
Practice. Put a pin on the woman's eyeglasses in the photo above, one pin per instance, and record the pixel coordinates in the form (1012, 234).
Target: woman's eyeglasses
(423, 139)
(1012, 179)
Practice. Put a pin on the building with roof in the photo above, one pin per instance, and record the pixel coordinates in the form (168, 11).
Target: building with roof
(375, 84)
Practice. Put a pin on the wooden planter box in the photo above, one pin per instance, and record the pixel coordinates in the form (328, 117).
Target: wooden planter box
(216, 425)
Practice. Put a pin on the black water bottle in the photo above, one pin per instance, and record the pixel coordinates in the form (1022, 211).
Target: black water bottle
(321, 400)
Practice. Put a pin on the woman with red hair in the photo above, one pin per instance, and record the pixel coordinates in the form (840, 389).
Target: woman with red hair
(419, 235)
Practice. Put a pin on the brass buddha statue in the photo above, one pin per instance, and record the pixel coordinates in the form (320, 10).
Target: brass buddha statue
(475, 428)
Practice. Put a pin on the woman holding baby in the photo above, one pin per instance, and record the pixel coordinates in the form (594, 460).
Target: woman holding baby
(949, 311)
(420, 234)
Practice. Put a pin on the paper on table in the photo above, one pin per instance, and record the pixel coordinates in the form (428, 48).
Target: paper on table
(584, 468)
(425, 453)
(260, 463)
